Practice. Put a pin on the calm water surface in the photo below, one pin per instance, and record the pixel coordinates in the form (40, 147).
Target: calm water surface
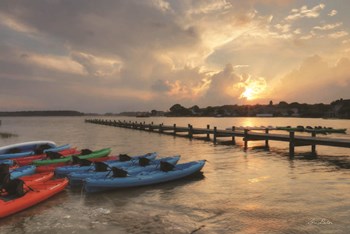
(256, 191)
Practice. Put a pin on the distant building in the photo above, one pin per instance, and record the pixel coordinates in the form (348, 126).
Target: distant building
(264, 115)
(295, 112)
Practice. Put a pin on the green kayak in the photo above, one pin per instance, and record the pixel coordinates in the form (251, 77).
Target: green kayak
(95, 154)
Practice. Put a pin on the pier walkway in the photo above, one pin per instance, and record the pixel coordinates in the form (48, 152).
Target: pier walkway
(214, 133)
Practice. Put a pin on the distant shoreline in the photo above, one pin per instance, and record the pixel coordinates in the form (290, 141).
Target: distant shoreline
(40, 113)
(339, 109)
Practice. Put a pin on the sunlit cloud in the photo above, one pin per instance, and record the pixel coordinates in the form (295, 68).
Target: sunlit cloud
(152, 53)
(328, 26)
(304, 12)
(162, 5)
(314, 76)
(181, 90)
(205, 7)
(252, 87)
(283, 28)
(58, 63)
(338, 34)
(98, 66)
(11, 22)
(333, 13)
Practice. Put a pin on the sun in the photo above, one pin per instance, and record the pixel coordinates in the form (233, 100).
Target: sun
(248, 94)
(253, 88)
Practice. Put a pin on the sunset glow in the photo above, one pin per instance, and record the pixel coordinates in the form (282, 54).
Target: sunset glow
(253, 88)
(203, 53)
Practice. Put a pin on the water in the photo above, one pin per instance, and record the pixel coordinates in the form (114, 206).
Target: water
(256, 191)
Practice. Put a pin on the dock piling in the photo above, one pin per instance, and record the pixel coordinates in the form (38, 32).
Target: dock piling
(214, 135)
(190, 131)
(313, 146)
(267, 141)
(233, 136)
(291, 144)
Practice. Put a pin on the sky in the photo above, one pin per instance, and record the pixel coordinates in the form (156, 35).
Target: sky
(139, 55)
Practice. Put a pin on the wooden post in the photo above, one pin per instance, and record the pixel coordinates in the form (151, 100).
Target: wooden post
(245, 139)
(208, 134)
(174, 130)
(313, 146)
(214, 137)
(190, 131)
(267, 141)
(233, 135)
(291, 144)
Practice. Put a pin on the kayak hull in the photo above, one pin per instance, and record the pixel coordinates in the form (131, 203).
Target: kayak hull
(29, 159)
(22, 171)
(26, 146)
(77, 178)
(29, 180)
(42, 191)
(180, 171)
(95, 154)
(65, 170)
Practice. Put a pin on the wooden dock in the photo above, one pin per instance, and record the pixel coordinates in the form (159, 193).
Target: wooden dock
(212, 134)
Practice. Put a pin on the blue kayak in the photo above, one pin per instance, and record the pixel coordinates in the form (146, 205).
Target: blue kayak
(143, 178)
(16, 155)
(26, 147)
(7, 161)
(77, 178)
(65, 170)
(58, 148)
(31, 153)
(22, 171)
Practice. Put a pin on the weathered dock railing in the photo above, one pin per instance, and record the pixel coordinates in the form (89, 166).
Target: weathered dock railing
(247, 135)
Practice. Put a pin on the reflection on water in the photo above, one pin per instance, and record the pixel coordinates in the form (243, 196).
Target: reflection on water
(7, 135)
(257, 191)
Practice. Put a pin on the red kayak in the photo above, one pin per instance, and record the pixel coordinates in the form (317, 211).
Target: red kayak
(37, 178)
(39, 192)
(52, 167)
(29, 159)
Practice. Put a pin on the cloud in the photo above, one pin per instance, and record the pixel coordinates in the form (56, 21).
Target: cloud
(126, 55)
(315, 80)
(304, 12)
(333, 13)
(328, 26)
(253, 88)
(98, 66)
(283, 28)
(338, 34)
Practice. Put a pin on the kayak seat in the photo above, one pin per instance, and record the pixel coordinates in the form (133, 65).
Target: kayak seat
(124, 157)
(4, 168)
(165, 166)
(84, 162)
(15, 188)
(75, 159)
(117, 172)
(14, 151)
(144, 161)
(101, 166)
(53, 155)
(85, 151)
(40, 149)
(4, 180)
